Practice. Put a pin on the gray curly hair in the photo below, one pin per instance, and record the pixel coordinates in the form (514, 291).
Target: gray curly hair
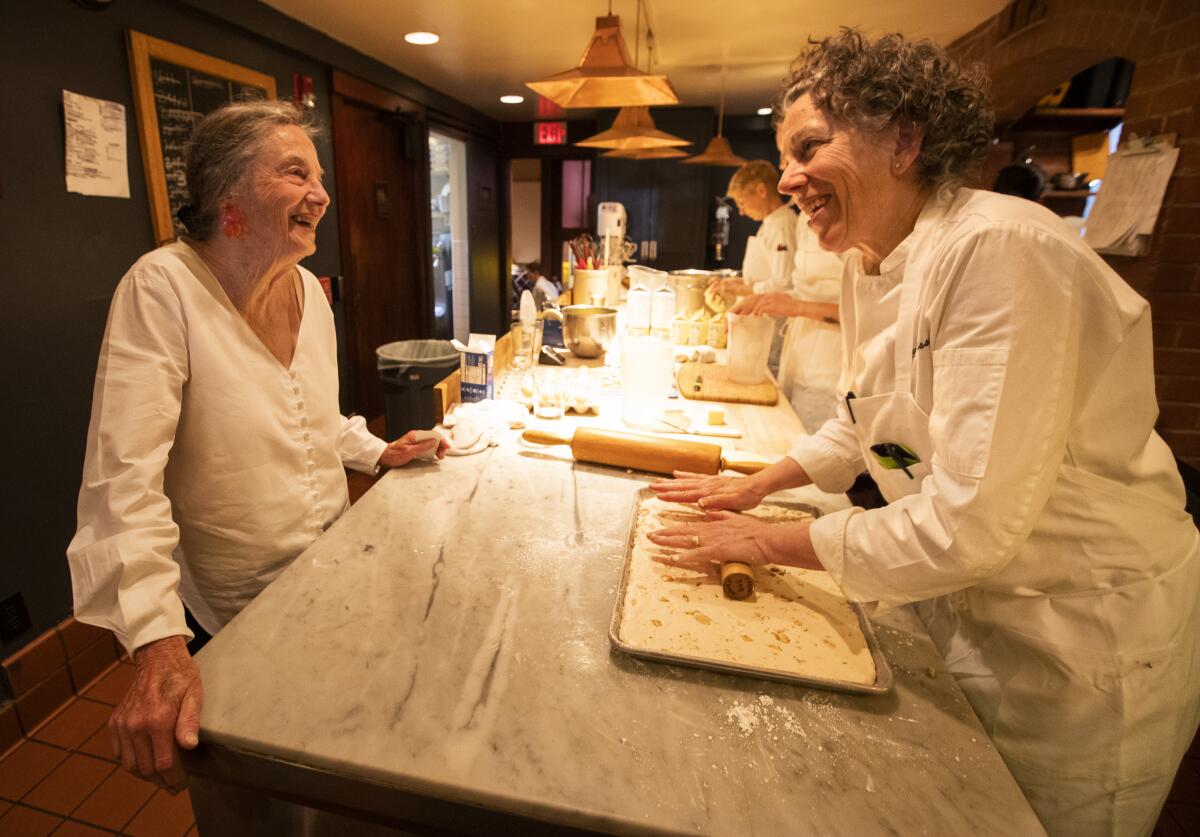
(873, 83)
(222, 149)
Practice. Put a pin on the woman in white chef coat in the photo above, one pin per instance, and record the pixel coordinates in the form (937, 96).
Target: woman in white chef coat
(767, 263)
(998, 386)
(215, 451)
(811, 356)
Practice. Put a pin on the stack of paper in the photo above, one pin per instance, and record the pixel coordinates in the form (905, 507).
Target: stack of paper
(1127, 206)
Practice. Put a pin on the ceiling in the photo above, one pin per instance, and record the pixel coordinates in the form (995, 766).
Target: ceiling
(489, 48)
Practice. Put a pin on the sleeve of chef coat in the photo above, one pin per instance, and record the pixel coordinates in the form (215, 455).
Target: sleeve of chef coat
(1006, 366)
(832, 457)
(358, 447)
(122, 574)
(778, 235)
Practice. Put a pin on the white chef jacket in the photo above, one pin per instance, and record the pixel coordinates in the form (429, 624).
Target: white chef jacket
(1046, 527)
(205, 456)
(766, 266)
(811, 357)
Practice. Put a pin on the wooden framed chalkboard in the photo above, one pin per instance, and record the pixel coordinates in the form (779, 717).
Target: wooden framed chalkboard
(173, 88)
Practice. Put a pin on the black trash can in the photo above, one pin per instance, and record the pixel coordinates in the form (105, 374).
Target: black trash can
(409, 370)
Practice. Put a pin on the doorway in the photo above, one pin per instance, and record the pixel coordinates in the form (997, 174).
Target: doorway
(448, 223)
(550, 202)
(379, 154)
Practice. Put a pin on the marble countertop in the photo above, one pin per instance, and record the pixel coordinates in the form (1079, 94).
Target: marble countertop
(449, 636)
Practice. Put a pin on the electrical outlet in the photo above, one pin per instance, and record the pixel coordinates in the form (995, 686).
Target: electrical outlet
(14, 618)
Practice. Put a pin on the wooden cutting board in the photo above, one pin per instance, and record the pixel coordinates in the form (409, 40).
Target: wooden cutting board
(714, 385)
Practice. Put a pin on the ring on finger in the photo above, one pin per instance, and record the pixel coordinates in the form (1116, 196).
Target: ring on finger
(695, 541)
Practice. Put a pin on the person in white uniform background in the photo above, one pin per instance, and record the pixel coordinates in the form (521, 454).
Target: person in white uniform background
(215, 450)
(767, 263)
(811, 354)
(998, 385)
(801, 295)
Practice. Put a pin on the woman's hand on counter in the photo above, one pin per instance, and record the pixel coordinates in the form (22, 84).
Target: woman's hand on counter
(728, 536)
(159, 713)
(780, 304)
(408, 447)
(774, 304)
(730, 286)
(711, 492)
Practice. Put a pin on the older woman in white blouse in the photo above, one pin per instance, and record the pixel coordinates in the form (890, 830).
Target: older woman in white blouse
(215, 451)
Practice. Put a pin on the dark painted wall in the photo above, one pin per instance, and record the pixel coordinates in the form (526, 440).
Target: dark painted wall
(675, 203)
(62, 254)
(751, 137)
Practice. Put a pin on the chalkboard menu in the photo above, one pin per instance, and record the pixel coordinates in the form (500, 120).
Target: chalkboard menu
(174, 87)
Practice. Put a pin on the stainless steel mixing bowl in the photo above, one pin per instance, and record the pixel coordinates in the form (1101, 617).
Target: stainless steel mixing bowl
(588, 329)
(689, 290)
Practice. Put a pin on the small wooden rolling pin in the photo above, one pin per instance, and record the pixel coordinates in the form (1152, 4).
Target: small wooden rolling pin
(737, 579)
(645, 453)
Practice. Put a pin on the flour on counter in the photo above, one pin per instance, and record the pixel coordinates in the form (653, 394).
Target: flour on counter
(744, 716)
(797, 621)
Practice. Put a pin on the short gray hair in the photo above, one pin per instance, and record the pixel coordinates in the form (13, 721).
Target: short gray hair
(222, 149)
(874, 83)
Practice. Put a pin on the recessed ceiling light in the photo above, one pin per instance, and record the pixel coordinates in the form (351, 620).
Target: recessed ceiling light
(512, 100)
(422, 38)
(764, 111)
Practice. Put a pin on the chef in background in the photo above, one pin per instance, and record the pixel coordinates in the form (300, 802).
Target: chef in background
(811, 356)
(766, 266)
(767, 263)
(998, 385)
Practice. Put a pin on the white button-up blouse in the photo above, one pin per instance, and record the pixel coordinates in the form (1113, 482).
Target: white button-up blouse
(209, 466)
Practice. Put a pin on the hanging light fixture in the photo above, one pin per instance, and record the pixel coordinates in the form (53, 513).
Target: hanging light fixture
(645, 154)
(604, 77)
(718, 152)
(634, 128)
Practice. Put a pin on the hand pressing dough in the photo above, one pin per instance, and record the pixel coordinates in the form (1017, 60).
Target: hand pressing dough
(796, 622)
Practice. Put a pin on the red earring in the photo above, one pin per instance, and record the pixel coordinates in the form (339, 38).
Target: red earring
(233, 223)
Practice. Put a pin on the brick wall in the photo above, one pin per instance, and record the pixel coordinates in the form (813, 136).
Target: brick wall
(1163, 38)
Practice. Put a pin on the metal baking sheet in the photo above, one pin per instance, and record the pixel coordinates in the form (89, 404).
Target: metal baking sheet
(883, 672)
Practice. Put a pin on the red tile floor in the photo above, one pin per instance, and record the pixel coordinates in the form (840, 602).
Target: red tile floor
(62, 779)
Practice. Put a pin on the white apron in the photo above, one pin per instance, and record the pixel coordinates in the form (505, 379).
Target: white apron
(758, 265)
(1091, 738)
(809, 364)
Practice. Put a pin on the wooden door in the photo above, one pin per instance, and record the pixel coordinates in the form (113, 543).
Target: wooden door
(555, 232)
(380, 149)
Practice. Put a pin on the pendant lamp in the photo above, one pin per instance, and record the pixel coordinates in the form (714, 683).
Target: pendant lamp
(645, 154)
(633, 129)
(604, 77)
(718, 152)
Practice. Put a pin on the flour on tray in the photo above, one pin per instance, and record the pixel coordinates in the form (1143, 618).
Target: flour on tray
(796, 622)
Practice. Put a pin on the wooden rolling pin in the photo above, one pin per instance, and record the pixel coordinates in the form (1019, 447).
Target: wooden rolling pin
(737, 579)
(645, 453)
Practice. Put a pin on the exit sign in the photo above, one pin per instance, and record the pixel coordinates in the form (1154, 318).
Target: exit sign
(549, 133)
